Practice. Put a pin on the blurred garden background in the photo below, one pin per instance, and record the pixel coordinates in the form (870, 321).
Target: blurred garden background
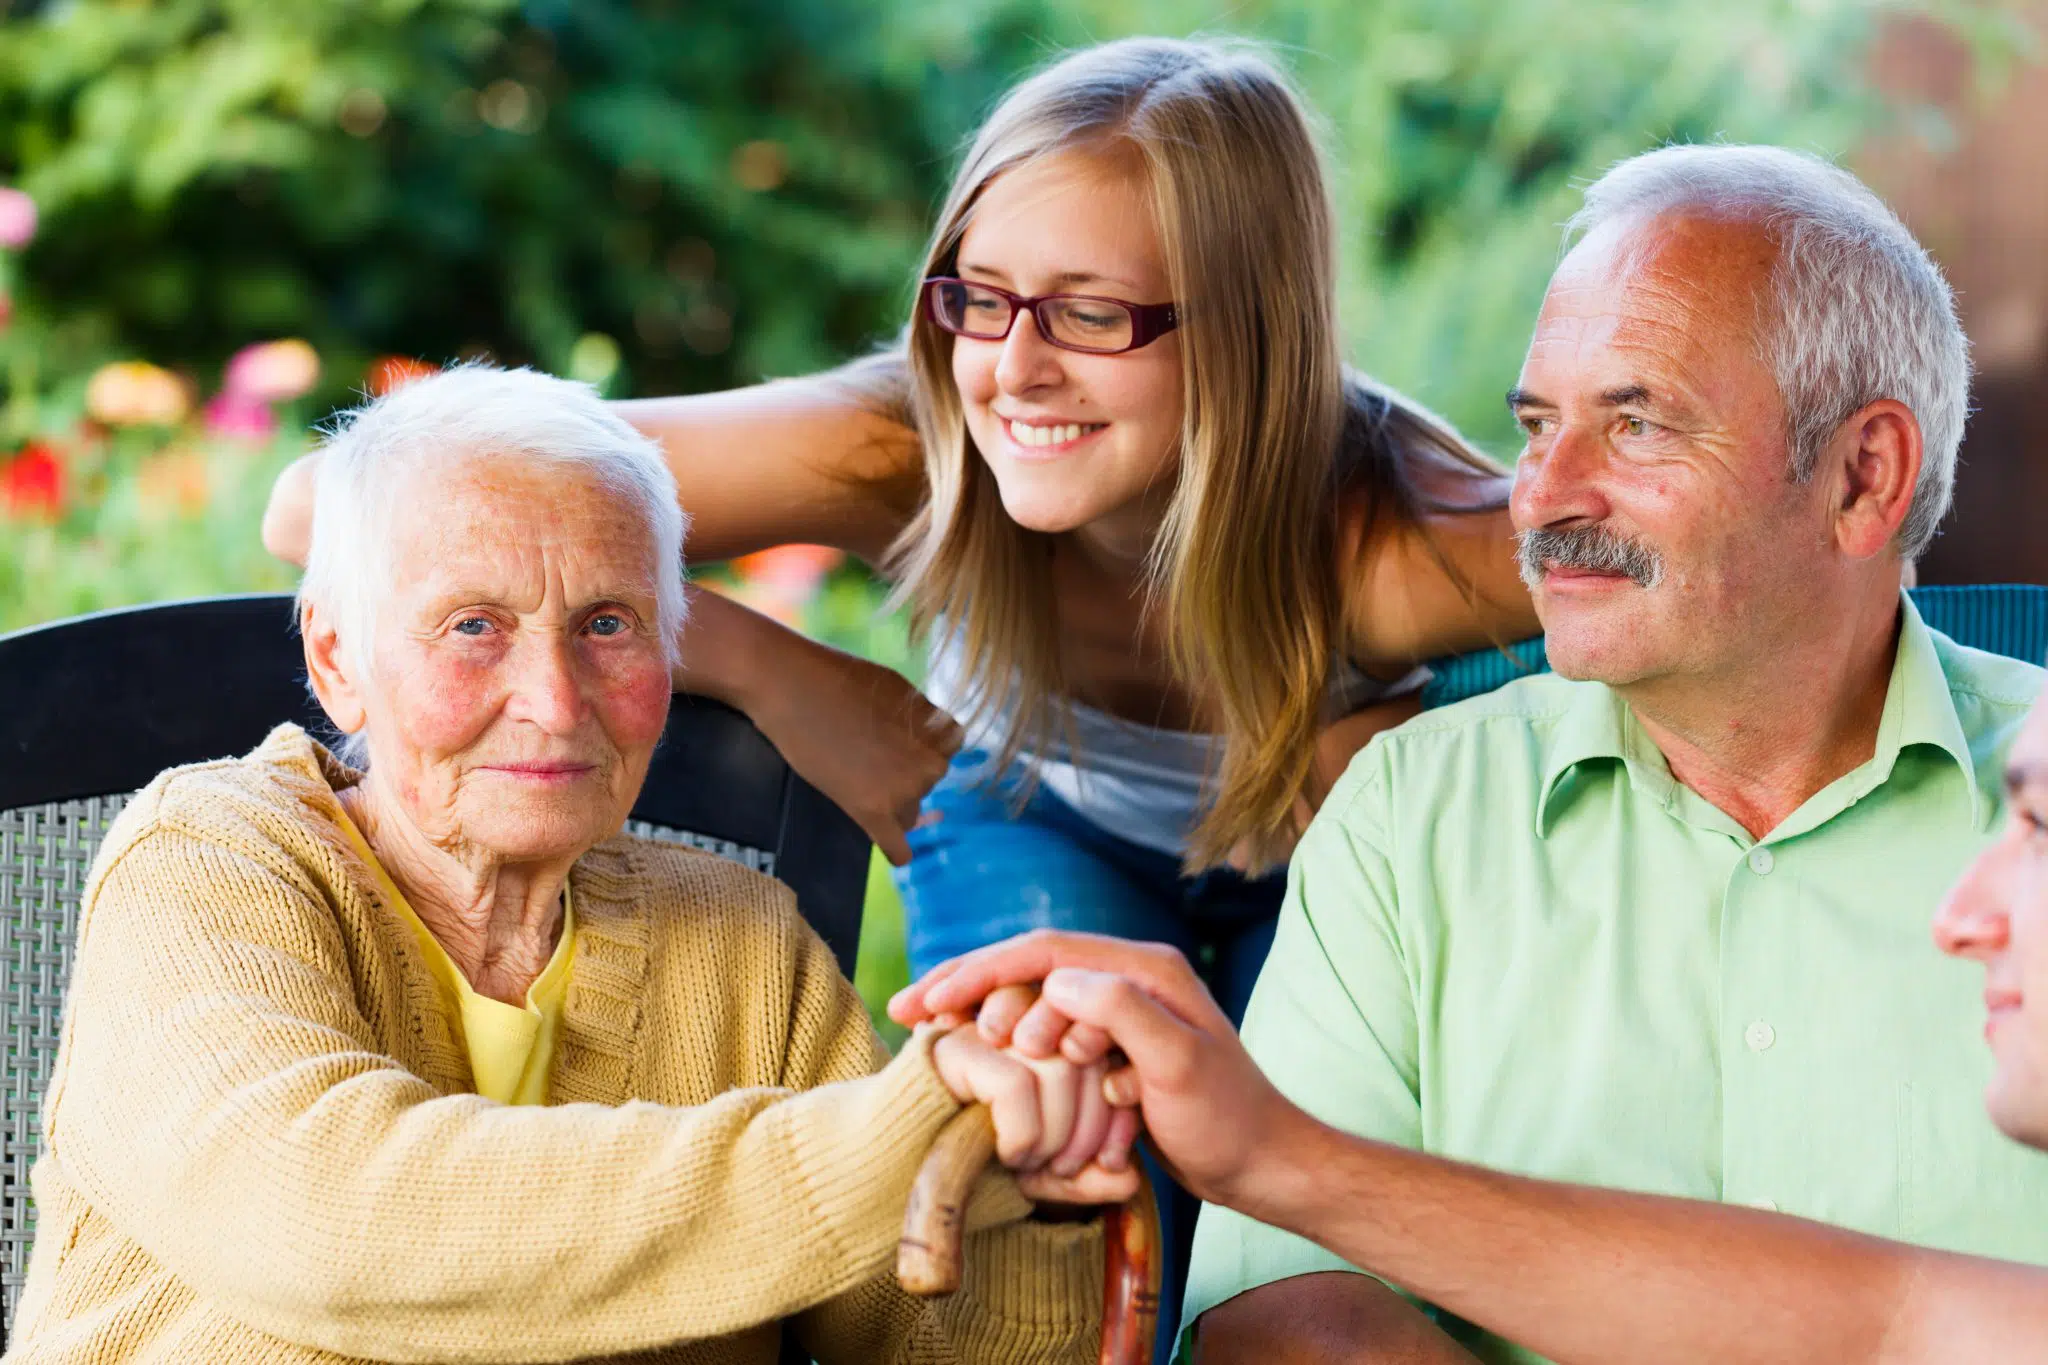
(220, 220)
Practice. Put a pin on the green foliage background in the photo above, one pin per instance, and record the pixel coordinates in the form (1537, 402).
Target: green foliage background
(730, 189)
(675, 195)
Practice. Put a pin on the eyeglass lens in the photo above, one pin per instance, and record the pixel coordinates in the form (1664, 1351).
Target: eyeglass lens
(1084, 324)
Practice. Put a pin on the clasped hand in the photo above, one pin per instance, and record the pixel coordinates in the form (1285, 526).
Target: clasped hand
(1216, 1122)
(1056, 1126)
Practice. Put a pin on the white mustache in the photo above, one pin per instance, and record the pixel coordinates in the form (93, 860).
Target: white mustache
(1594, 548)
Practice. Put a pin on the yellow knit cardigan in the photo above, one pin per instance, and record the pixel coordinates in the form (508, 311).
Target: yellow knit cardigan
(263, 1143)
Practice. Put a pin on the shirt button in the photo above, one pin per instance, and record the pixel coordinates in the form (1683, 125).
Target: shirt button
(1767, 1205)
(1759, 1036)
(1761, 862)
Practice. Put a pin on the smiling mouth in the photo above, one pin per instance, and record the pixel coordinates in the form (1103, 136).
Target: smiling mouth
(1050, 434)
(1999, 1006)
(541, 772)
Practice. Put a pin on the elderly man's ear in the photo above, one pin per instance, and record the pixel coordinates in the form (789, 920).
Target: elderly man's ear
(1876, 466)
(327, 666)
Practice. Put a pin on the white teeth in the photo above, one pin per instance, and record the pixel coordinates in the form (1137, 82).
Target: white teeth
(1048, 436)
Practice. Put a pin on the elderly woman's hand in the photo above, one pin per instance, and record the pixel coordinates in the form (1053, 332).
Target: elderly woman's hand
(1054, 1125)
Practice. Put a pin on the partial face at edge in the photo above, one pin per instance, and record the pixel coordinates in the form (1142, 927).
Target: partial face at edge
(1653, 418)
(1072, 439)
(1997, 915)
(518, 680)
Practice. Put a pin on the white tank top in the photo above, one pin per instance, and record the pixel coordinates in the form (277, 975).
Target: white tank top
(1136, 781)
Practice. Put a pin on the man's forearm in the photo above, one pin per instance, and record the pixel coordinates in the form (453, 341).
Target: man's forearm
(1587, 1276)
(1594, 1276)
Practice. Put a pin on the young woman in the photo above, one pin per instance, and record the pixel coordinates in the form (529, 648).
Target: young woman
(1168, 549)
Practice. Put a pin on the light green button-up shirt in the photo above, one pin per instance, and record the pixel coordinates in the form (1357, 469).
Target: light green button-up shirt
(1511, 937)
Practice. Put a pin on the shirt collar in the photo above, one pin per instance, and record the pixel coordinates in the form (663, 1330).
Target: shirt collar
(1597, 727)
(1919, 710)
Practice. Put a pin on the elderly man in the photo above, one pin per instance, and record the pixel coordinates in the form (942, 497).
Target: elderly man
(1532, 1260)
(1656, 922)
(428, 1062)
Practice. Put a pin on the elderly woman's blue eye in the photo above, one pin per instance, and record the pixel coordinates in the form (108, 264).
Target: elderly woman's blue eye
(607, 624)
(472, 625)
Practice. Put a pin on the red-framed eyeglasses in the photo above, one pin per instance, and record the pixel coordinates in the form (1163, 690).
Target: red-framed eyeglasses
(1073, 322)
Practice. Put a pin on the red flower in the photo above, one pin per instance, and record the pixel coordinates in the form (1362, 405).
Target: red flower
(32, 483)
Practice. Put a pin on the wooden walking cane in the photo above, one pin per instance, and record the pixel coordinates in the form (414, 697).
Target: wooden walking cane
(928, 1258)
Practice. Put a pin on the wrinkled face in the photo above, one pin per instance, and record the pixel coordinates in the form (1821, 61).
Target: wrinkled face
(1072, 439)
(517, 682)
(1998, 915)
(1662, 532)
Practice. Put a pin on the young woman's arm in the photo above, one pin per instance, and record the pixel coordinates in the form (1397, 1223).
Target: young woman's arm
(1444, 583)
(799, 461)
(858, 732)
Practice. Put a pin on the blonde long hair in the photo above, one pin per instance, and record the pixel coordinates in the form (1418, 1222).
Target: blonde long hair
(1273, 425)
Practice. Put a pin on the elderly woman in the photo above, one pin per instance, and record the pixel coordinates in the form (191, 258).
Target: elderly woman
(414, 1057)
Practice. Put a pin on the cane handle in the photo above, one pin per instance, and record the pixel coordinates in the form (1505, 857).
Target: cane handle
(929, 1256)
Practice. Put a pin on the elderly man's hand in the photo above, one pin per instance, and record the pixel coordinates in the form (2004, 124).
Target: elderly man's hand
(1216, 1120)
(1054, 1124)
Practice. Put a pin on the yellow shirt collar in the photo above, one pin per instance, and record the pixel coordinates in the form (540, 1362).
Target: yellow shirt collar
(511, 1047)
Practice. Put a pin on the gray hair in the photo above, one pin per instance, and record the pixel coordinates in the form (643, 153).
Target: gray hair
(373, 453)
(1863, 312)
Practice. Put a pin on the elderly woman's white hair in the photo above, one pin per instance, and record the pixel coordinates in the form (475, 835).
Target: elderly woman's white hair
(1862, 311)
(374, 453)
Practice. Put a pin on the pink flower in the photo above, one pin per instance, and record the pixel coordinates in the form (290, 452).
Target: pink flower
(17, 219)
(272, 371)
(240, 417)
(32, 483)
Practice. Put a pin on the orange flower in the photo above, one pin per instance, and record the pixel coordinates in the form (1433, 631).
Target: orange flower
(136, 393)
(395, 371)
(174, 482)
(778, 581)
(790, 567)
